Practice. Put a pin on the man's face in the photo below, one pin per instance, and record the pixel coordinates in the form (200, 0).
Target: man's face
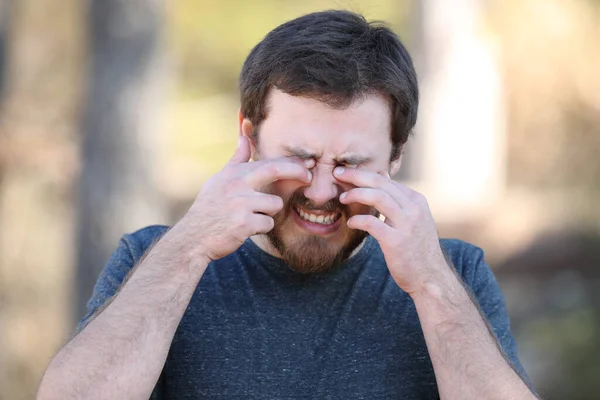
(310, 233)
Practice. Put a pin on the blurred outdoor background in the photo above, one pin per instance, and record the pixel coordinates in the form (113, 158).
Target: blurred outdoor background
(114, 112)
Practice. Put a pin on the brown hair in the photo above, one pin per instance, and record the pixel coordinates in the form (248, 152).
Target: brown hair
(335, 57)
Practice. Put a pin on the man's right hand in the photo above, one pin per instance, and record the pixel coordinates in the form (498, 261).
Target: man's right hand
(231, 207)
(125, 362)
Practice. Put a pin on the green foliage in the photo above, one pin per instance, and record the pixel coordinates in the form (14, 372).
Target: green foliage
(212, 38)
(571, 340)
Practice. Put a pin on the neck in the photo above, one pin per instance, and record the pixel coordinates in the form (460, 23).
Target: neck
(263, 242)
(265, 245)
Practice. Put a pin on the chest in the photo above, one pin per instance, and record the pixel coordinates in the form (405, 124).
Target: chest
(351, 344)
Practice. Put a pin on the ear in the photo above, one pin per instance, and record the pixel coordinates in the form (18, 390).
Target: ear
(245, 128)
(395, 164)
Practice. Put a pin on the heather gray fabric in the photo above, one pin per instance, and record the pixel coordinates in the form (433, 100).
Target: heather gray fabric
(256, 330)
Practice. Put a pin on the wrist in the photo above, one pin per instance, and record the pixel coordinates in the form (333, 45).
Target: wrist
(443, 305)
(179, 254)
(441, 286)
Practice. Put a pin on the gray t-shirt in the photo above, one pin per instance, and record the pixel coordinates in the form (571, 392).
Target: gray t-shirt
(254, 329)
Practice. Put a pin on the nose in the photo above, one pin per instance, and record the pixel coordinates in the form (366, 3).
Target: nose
(323, 186)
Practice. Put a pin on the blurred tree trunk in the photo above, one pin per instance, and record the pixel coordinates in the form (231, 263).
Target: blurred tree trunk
(5, 6)
(120, 131)
(5, 12)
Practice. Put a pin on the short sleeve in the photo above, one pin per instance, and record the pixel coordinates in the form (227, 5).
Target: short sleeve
(109, 281)
(480, 278)
(130, 250)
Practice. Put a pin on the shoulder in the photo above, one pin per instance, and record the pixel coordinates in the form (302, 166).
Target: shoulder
(130, 250)
(457, 248)
(466, 258)
(141, 240)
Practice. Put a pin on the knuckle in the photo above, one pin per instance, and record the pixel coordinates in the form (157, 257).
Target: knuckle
(229, 171)
(420, 200)
(231, 185)
(382, 197)
(389, 201)
(239, 221)
(416, 196)
(415, 216)
(273, 168)
(246, 220)
(268, 202)
(237, 202)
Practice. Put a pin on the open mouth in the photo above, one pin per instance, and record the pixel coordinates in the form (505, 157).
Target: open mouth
(323, 219)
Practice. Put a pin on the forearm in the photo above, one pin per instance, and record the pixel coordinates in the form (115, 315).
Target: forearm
(121, 353)
(466, 357)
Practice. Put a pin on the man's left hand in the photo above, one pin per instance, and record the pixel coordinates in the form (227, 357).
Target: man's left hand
(408, 236)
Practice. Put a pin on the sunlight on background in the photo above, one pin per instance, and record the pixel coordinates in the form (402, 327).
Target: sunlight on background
(209, 41)
(506, 151)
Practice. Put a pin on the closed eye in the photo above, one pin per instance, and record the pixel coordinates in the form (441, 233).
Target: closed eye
(347, 165)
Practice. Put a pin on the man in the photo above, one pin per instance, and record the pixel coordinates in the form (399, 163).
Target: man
(284, 280)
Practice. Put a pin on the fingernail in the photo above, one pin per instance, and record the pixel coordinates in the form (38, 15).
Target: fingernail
(338, 170)
(342, 195)
(309, 163)
(309, 175)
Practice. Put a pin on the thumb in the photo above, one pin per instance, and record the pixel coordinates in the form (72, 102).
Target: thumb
(242, 153)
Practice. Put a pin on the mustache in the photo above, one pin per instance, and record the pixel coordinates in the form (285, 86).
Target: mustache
(299, 200)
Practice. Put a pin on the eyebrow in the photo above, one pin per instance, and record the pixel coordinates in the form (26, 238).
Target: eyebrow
(349, 158)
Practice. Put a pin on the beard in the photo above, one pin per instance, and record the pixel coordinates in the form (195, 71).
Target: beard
(313, 254)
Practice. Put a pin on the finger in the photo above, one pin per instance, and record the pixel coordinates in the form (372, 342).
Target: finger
(266, 204)
(362, 178)
(371, 224)
(273, 170)
(378, 198)
(260, 224)
(309, 163)
(242, 152)
(402, 189)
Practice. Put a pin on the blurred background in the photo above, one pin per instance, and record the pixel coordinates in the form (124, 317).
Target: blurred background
(114, 112)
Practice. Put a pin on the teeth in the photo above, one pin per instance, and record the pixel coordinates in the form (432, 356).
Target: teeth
(318, 219)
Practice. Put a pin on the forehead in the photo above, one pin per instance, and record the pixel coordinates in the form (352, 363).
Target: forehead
(363, 128)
